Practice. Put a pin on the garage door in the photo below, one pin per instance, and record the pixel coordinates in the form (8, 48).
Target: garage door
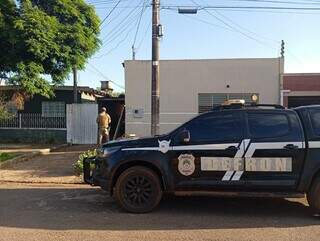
(295, 101)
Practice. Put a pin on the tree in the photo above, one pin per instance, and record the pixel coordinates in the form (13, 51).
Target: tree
(42, 40)
(4, 114)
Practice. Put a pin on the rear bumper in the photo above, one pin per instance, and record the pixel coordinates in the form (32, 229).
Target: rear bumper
(92, 174)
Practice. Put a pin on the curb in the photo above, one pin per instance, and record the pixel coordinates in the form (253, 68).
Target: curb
(28, 156)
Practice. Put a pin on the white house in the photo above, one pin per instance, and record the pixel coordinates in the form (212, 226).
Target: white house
(189, 87)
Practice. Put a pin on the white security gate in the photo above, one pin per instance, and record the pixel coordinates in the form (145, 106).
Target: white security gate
(81, 123)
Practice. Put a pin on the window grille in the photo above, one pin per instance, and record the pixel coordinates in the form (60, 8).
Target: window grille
(53, 109)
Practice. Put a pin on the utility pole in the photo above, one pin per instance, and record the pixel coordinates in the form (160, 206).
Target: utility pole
(282, 49)
(155, 94)
(75, 85)
(133, 53)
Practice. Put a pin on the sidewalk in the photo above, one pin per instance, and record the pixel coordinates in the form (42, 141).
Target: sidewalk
(24, 148)
(50, 167)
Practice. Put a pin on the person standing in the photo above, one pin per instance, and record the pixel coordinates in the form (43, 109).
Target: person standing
(103, 121)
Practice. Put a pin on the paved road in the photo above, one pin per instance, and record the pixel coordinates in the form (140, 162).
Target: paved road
(77, 212)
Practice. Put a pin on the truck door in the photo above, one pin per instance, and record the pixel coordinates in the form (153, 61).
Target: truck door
(213, 157)
(274, 157)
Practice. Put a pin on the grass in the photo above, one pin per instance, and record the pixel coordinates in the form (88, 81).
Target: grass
(6, 156)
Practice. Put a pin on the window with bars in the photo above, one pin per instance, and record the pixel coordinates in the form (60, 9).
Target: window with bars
(207, 101)
(53, 109)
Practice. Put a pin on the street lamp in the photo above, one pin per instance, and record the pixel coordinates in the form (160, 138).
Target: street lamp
(187, 10)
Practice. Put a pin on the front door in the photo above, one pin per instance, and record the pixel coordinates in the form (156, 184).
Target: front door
(213, 157)
(275, 154)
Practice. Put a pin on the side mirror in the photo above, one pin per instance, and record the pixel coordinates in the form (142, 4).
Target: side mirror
(185, 137)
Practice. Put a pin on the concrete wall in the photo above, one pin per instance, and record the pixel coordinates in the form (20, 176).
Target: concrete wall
(182, 80)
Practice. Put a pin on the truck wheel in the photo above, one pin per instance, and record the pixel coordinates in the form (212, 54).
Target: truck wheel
(138, 190)
(313, 196)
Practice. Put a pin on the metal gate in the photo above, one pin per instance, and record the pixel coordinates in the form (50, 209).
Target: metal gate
(81, 123)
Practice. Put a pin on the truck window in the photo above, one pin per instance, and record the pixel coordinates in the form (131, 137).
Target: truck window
(266, 125)
(215, 128)
(315, 121)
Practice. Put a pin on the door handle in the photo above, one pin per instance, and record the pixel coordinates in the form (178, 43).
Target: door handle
(232, 148)
(290, 147)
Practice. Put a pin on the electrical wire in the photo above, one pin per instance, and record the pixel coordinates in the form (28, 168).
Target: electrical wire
(233, 28)
(243, 28)
(121, 24)
(279, 2)
(121, 41)
(127, 24)
(138, 25)
(209, 7)
(105, 77)
(145, 35)
(115, 6)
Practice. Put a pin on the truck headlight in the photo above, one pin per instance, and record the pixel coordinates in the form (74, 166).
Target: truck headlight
(105, 152)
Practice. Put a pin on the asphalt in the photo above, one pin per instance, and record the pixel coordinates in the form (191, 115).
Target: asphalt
(79, 212)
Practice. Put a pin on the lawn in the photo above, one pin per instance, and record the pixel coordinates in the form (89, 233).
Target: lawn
(6, 156)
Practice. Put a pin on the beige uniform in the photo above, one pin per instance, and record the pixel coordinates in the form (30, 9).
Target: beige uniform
(103, 121)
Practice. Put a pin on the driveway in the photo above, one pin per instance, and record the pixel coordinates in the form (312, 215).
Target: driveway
(79, 212)
(52, 167)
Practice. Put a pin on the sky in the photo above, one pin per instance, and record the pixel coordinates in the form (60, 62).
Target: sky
(209, 34)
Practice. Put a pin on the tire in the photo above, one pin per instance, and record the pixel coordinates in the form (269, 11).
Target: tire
(313, 196)
(138, 190)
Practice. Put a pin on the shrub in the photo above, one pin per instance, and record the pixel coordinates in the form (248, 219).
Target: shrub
(6, 156)
(78, 165)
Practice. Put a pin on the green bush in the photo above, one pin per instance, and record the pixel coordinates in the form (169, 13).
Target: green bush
(78, 165)
(6, 156)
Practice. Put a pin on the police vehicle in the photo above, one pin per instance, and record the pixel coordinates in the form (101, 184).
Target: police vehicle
(235, 149)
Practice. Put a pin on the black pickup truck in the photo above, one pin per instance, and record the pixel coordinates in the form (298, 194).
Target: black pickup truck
(255, 150)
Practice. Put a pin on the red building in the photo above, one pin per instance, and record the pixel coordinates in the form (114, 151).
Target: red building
(301, 89)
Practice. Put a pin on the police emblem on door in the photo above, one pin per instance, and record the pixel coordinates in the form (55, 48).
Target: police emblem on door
(186, 164)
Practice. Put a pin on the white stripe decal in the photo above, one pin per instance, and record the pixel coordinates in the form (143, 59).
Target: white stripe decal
(242, 147)
(227, 176)
(185, 148)
(237, 176)
(142, 149)
(204, 147)
(269, 145)
(314, 144)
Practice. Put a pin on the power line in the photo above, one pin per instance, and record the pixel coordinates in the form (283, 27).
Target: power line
(127, 24)
(265, 11)
(136, 33)
(121, 41)
(280, 2)
(204, 21)
(104, 76)
(119, 25)
(244, 28)
(208, 7)
(145, 34)
(233, 28)
(110, 12)
(139, 21)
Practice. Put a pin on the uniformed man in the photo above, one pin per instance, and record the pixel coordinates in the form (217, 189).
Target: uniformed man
(103, 121)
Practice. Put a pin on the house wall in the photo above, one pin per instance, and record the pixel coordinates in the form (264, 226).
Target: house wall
(39, 133)
(34, 104)
(301, 89)
(182, 80)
